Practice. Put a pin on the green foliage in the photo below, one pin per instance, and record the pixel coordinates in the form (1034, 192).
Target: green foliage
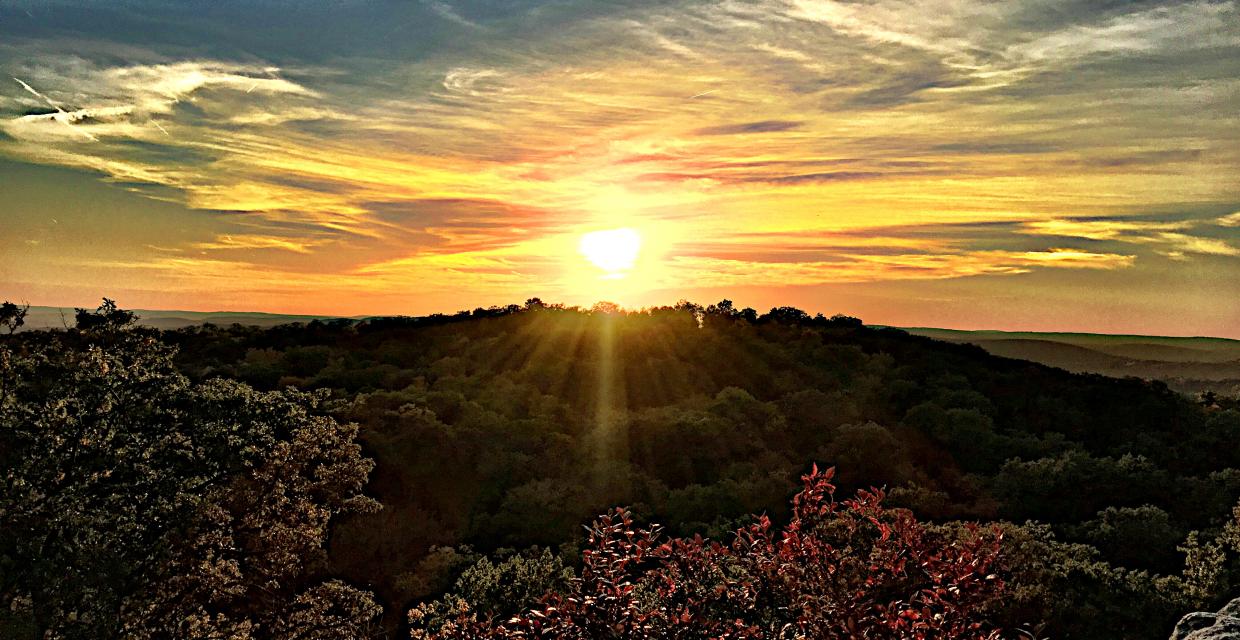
(499, 588)
(509, 585)
(1069, 590)
(1135, 536)
(436, 571)
(868, 455)
(138, 504)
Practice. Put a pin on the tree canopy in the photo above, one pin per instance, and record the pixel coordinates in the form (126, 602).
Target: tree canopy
(139, 504)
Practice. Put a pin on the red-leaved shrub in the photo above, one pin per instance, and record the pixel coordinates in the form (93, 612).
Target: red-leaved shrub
(850, 569)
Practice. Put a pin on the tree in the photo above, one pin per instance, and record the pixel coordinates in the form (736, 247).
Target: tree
(1137, 537)
(870, 454)
(12, 316)
(845, 321)
(723, 308)
(604, 307)
(137, 504)
(847, 569)
(498, 589)
(786, 315)
(106, 317)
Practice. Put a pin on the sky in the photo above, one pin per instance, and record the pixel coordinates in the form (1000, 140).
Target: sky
(1006, 164)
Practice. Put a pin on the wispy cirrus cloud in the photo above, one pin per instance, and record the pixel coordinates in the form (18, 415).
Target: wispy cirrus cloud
(258, 242)
(1173, 237)
(1100, 229)
(761, 126)
(1181, 243)
(866, 267)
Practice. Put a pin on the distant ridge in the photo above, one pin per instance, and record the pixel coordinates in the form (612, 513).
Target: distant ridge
(1058, 336)
(1187, 364)
(57, 317)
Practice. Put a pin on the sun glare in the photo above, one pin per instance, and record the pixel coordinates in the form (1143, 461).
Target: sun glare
(612, 250)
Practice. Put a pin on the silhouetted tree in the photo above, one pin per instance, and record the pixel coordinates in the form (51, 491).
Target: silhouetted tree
(785, 315)
(845, 321)
(106, 317)
(13, 316)
(722, 308)
(606, 308)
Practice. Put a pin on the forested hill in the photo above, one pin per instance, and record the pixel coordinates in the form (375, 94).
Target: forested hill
(1188, 365)
(502, 429)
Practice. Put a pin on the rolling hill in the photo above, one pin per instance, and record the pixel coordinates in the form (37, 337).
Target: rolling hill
(58, 317)
(1188, 365)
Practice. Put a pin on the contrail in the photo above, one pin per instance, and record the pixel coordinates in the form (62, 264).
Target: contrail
(39, 95)
(704, 93)
(55, 106)
(161, 128)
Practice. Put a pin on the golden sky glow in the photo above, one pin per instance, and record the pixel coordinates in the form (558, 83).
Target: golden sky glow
(1009, 164)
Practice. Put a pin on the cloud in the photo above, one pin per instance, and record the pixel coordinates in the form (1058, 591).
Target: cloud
(1001, 147)
(473, 82)
(483, 274)
(913, 252)
(128, 101)
(228, 242)
(1191, 24)
(1098, 229)
(825, 176)
(445, 11)
(1171, 236)
(1230, 220)
(715, 272)
(761, 126)
(903, 85)
(1183, 243)
(1158, 159)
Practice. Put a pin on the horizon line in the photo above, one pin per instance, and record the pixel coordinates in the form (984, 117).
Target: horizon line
(318, 316)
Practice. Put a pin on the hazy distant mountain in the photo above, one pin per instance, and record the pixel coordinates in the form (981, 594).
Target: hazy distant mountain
(1190, 365)
(55, 317)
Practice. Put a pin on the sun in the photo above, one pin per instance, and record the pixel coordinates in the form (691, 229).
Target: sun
(612, 250)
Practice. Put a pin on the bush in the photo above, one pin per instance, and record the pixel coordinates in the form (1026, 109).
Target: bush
(849, 569)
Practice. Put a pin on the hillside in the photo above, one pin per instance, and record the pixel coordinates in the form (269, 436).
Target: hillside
(507, 428)
(1188, 365)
